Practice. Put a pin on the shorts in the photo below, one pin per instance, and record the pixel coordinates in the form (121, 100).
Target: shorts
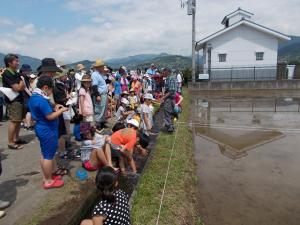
(48, 141)
(16, 111)
(89, 167)
(62, 130)
(115, 150)
(67, 115)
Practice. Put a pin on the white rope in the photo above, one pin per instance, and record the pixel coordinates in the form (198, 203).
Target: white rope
(167, 175)
(232, 127)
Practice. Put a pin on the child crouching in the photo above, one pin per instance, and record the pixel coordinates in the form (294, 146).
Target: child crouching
(95, 150)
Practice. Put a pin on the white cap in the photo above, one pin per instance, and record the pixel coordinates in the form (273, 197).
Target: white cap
(125, 101)
(148, 96)
(133, 122)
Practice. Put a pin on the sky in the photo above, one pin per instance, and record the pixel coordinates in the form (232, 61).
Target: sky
(74, 30)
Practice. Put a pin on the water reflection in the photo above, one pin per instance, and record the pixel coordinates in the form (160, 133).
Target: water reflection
(236, 144)
(262, 188)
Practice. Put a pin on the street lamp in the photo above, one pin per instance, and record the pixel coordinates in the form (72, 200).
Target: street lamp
(191, 11)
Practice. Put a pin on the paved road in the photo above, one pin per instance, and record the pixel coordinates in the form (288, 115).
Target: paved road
(20, 182)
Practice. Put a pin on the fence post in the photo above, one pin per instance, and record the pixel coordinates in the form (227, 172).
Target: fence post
(254, 72)
(231, 74)
(275, 105)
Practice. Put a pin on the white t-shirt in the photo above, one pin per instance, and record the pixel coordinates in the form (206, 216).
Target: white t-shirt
(78, 78)
(148, 110)
(119, 113)
(87, 146)
(179, 78)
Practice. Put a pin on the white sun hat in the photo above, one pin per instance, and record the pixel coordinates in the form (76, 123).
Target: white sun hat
(148, 96)
(133, 122)
(125, 101)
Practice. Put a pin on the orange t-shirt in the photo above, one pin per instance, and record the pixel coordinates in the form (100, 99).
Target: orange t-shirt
(126, 137)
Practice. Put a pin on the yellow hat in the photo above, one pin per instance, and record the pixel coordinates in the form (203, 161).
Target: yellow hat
(98, 63)
(80, 66)
(59, 75)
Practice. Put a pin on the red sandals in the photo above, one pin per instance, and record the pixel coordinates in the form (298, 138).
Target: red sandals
(54, 184)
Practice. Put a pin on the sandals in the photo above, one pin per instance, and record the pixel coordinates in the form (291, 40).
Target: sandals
(56, 177)
(61, 171)
(54, 184)
(15, 146)
(131, 174)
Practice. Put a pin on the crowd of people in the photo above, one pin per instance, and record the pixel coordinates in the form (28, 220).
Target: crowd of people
(93, 100)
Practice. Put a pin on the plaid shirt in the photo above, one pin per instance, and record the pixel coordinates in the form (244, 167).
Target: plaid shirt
(171, 84)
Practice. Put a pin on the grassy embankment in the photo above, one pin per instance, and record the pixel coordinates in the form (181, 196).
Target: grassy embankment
(179, 203)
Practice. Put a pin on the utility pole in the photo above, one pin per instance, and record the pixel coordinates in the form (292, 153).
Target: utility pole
(191, 11)
(194, 41)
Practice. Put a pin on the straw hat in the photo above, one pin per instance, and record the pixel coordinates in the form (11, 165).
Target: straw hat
(98, 63)
(59, 75)
(80, 66)
(86, 78)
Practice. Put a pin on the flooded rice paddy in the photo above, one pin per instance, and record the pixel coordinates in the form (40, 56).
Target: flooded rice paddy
(248, 154)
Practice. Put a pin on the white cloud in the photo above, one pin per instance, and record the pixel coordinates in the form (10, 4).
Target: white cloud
(27, 29)
(5, 22)
(125, 27)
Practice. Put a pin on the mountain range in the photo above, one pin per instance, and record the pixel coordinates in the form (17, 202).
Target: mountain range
(144, 60)
(287, 51)
(290, 50)
(33, 62)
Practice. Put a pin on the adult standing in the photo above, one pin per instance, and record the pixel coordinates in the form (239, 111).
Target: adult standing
(15, 108)
(78, 75)
(152, 73)
(169, 98)
(179, 82)
(123, 80)
(50, 69)
(100, 93)
(152, 70)
(46, 129)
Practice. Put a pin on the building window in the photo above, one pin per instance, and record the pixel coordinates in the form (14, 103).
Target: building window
(222, 57)
(259, 56)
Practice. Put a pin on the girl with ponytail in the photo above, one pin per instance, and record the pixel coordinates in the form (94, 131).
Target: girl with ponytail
(113, 207)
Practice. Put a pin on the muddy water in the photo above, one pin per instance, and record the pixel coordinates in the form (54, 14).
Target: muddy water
(248, 156)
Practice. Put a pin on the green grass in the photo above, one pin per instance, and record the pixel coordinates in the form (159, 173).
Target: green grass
(179, 204)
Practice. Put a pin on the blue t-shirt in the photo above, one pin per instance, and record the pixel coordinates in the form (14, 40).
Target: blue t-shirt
(151, 71)
(40, 107)
(98, 80)
(118, 89)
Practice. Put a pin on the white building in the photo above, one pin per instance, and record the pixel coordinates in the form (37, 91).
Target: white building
(243, 49)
